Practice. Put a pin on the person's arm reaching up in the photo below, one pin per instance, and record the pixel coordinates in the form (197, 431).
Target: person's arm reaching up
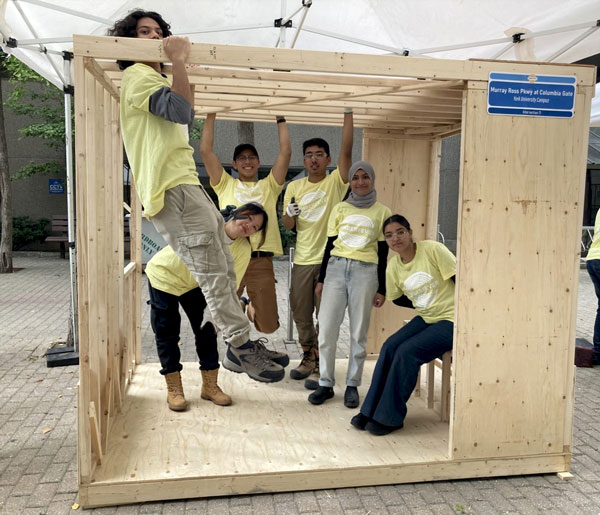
(211, 160)
(282, 163)
(345, 157)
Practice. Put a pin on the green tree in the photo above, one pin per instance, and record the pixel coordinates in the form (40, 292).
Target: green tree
(34, 97)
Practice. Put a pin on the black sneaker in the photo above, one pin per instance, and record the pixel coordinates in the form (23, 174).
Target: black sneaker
(320, 395)
(359, 421)
(351, 397)
(278, 357)
(377, 429)
(253, 363)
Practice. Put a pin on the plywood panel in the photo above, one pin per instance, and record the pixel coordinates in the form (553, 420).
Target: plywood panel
(518, 214)
(402, 176)
(270, 427)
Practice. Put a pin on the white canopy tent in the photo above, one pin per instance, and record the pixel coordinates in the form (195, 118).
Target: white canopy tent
(39, 32)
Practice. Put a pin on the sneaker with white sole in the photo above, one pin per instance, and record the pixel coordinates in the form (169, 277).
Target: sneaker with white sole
(250, 360)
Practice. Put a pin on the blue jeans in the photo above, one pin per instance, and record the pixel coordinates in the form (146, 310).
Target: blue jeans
(397, 368)
(593, 268)
(353, 284)
(166, 324)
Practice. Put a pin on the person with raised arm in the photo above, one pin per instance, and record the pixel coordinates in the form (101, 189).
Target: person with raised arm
(307, 205)
(259, 280)
(155, 112)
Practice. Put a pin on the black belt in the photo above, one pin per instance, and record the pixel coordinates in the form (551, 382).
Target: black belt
(260, 253)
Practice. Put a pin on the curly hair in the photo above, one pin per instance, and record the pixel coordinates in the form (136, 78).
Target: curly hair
(127, 28)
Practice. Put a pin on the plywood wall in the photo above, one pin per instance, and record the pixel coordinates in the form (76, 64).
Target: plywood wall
(518, 255)
(406, 180)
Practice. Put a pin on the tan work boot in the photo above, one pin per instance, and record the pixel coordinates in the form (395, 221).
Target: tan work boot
(210, 388)
(175, 398)
(307, 365)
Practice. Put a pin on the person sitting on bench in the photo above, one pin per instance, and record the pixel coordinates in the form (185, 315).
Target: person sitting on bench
(420, 276)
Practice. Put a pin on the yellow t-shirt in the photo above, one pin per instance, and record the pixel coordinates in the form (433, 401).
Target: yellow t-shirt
(166, 272)
(426, 281)
(158, 150)
(594, 252)
(315, 200)
(233, 192)
(358, 229)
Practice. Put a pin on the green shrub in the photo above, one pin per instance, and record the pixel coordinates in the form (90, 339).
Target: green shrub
(26, 230)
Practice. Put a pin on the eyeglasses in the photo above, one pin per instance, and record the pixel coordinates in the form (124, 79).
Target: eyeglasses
(399, 233)
(246, 158)
(316, 155)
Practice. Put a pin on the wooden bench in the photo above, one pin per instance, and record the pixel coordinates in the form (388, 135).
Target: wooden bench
(60, 224)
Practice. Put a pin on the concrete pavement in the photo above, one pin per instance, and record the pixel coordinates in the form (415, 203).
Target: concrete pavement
(38, 456)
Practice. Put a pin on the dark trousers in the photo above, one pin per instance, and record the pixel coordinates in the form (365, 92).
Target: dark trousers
(593, 268)
(397, 368)
(166, 324)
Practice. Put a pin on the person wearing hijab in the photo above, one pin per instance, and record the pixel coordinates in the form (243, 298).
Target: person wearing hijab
(352, 276)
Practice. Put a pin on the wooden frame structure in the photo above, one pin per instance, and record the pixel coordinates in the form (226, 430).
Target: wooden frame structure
(520, 209)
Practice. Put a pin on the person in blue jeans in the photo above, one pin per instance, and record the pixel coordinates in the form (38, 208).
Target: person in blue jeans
(593, 268)
(420, 276)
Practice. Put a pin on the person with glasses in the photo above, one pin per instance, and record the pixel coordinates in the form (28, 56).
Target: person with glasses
(307, 205)
(155, 112)
(420, 276)
(352, 277)
(259, 280)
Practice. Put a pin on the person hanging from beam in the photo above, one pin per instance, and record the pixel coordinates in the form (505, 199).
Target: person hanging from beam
(307, 205)
(259, 280)
(154, 115)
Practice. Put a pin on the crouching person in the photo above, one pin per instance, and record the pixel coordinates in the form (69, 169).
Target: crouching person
(420, 276)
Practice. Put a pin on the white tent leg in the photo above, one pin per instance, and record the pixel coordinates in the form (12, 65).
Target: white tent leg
(70, 203)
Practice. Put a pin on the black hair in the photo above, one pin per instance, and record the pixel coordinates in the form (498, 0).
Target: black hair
(399, 219)
(252, 208)
(244, 146)
(127, 28)
(315, 142)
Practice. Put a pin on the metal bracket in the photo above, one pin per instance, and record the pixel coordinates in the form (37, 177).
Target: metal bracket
(306, 3)
(69, 90)
(67, 56)
(12, 43)
(405, 53)
(517, 37)
(278, 23)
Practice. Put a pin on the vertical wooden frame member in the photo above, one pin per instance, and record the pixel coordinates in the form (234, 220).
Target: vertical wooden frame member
(520, 190)
(402, 180)
(84, 449)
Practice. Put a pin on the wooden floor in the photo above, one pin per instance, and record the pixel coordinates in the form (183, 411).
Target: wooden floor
(270, 428)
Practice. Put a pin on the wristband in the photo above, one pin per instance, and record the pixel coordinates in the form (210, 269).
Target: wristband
(281, 120)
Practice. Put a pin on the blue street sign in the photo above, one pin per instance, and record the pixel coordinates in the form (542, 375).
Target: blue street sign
(520, 94)
(56, 186)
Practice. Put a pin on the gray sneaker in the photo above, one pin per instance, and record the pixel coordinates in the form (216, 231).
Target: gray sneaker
(278, 357)
(253, 363)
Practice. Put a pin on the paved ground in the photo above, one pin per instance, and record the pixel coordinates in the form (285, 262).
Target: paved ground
(38, 427)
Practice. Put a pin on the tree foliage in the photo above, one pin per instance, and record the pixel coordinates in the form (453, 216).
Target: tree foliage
(34, 97)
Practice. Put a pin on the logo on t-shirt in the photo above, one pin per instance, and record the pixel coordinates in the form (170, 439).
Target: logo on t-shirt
(312, 206)
(356, 230)
(245, 193)
(421, 288)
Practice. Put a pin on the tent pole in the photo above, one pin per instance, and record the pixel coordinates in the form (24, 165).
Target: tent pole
(66, 10)
(306, 6)
(560, 52)
(42, 49)
(70, 204)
